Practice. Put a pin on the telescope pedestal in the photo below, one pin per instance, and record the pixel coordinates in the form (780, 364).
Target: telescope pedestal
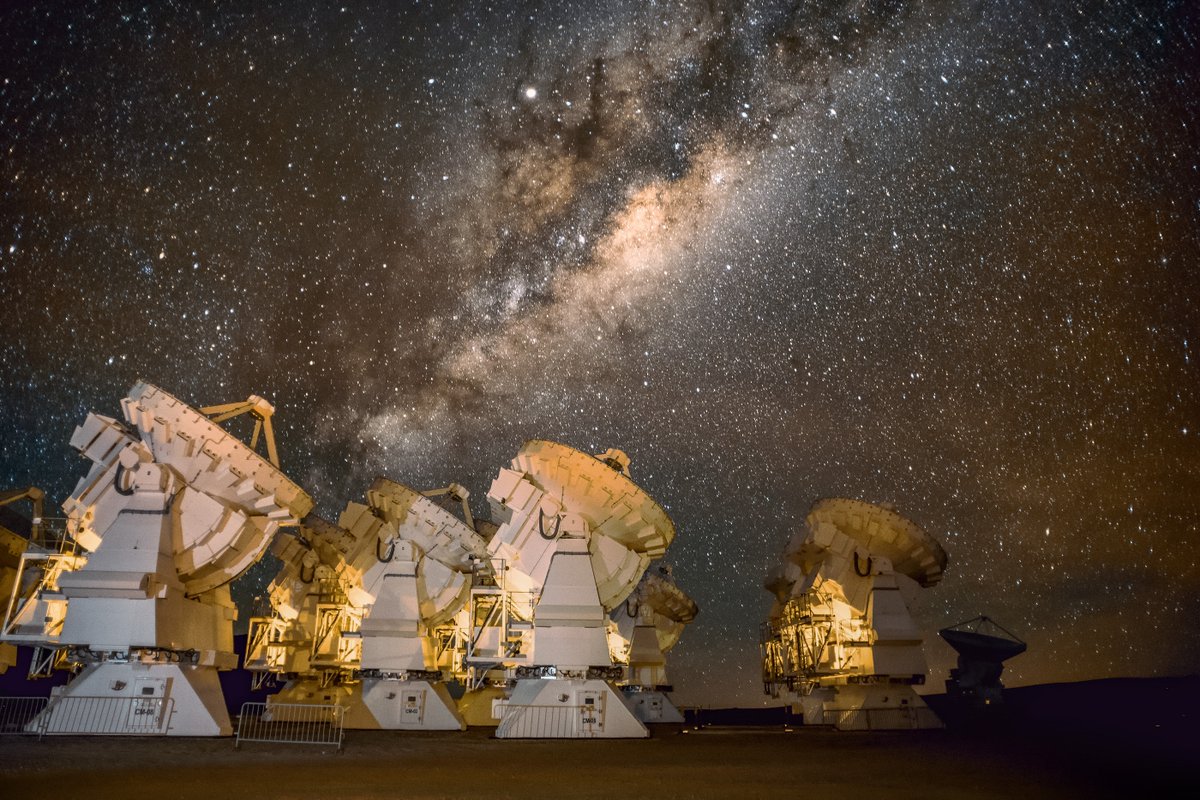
(541, 708)
(309, 691)
(411, 705)
(138, 699)
(479, 706)
(381, 703)
(653, 707)
(872, 707)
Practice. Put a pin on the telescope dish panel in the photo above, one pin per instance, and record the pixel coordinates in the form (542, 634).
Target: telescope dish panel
(667, 599)
(611, 503)
(983, 639)
(660, 603)
(205, 453)
(673, 609)
(336, 546)
(441, 591)
(618, 512)
(331, 541)
(883, 532)
(235, 499)
(440, 535)
(617, 569)
(325, 540)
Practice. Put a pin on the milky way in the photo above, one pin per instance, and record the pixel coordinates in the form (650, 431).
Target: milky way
(938, 254)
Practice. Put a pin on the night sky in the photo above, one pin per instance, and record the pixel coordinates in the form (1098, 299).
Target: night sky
(944, 255)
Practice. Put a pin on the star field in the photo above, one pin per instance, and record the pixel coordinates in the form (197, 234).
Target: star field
(936, 254)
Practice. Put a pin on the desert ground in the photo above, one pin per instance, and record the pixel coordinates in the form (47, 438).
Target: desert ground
(1127, 738)
(713, 762)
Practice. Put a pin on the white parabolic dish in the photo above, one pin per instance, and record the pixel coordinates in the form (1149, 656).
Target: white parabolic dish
(613, 506)
(214, 462)
(883, 532)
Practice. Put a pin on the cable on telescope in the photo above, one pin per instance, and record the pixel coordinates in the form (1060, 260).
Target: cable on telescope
(391, 551)
(542, 526)
(117, 482)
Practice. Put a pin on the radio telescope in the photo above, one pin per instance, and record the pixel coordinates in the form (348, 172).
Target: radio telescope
(13, 545)
(983, 646)
(32, 562)
(575, 536)
(650, 622)
(362, 606)
(417, 577)
(172, 510)
(840, 639)
(311, 631)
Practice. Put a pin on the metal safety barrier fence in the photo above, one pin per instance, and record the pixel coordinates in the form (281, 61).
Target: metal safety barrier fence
(290, 723)
(103, 716)
(882, 719)
(17, 712)
(550, 722)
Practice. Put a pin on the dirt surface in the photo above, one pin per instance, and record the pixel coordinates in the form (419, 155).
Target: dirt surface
(706, 763)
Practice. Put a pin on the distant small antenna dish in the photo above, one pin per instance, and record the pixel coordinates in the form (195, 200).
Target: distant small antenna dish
(983, 645)
(983, 639)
